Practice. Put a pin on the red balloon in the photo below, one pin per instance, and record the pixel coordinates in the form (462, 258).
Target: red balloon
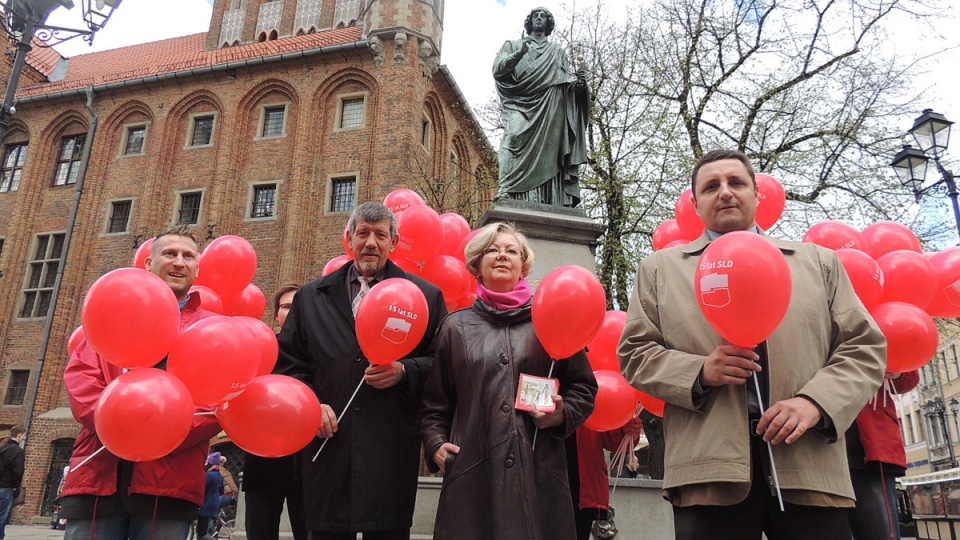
(250, 302)
(209, 300)
(75, 339)
(131, 318)
(140, 257)
(691, 226)
(946, 298)
(652, 404)
(912, 337)
(568, 308)
(835, 235)
(462, 246)
(772, 199)
(616, 402)
(455, 227)
(448, 273)
(885, 236)
(668, 231)
(743, 286)
(602, 349)
(335, 264)
(144, 415)
(391, 320)
(405, 264)
(401, 200)
(216, 358)
(269, 348)
(865, 275)
(603, 360)
(907, 277)
(421, 233)
(464, 301)
(276, 416)
(227, 265)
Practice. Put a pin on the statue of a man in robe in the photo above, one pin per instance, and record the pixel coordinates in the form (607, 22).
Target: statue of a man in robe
(546, 108)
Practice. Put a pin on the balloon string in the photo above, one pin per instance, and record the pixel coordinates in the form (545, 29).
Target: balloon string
(88, 458)
(536, 429)
(773, 464)
(205, 413)
(340, 417)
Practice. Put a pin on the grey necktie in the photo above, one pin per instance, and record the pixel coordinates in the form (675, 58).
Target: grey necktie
(364, 289)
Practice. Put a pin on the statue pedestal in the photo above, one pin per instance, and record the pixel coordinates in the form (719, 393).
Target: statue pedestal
(557, 235)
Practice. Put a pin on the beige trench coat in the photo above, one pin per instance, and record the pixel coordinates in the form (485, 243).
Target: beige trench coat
(827, 348)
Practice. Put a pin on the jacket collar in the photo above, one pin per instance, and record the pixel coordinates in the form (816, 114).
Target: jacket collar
(697, 246)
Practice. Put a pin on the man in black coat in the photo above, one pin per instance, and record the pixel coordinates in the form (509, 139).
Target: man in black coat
(11, 473)
(365, 479)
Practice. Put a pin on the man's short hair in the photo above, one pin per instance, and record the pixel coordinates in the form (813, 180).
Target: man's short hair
(372, 212)
(176, 230)
(284, 289)
(16, 431)
(719, 155)
(551, 22)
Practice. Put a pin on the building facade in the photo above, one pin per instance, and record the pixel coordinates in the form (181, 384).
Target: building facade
(273, 125)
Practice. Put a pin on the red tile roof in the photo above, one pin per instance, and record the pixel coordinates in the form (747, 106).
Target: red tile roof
(43, 58)
(176, 54)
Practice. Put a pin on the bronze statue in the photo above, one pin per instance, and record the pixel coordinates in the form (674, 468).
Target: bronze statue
(546, 108)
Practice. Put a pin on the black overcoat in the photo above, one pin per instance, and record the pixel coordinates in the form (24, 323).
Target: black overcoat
(366, 477)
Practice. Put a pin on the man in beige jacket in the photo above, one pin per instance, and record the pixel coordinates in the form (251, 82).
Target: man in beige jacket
(817, 370)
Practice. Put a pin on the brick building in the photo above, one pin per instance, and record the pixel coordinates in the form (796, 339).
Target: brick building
(272, 126)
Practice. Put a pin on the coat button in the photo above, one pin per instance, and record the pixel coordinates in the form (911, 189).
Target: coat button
(357, 358)
(505, 408)
(357, 408)
(503, 359)
(509, 463)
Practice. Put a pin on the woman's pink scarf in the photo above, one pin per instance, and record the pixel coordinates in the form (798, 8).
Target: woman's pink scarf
(509, 300)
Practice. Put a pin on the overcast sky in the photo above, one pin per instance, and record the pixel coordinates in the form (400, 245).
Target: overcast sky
(474, 30)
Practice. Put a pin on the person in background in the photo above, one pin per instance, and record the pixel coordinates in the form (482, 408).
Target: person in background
(230, 491)
(815, 372)
(267, 482)
(11, 473)
(877, 457)
(504, 469)
(211, 497)
(110, 498)
(589, 476)
(365, 479)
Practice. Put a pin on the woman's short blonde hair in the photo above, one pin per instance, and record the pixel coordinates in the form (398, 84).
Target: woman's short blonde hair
(487, 235)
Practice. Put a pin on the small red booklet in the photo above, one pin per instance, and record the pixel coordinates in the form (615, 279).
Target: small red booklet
(536, 391)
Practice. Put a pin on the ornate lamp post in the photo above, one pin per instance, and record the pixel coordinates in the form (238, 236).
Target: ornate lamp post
(931, 132)
(24, 19)
(935, 408)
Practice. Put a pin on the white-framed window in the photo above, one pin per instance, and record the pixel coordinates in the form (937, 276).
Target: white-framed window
(41, 275)
(343, 193)
(273, 121)
(188, 207)
(118, 216)
(16, 391)
(262, 200)
(351, 111)
(68, 160)
(11, 170)
(133, 142)
(426, 132)
(202, 129)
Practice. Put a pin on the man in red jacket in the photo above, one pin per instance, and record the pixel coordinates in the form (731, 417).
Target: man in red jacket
(877, 457)
(106, 497)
